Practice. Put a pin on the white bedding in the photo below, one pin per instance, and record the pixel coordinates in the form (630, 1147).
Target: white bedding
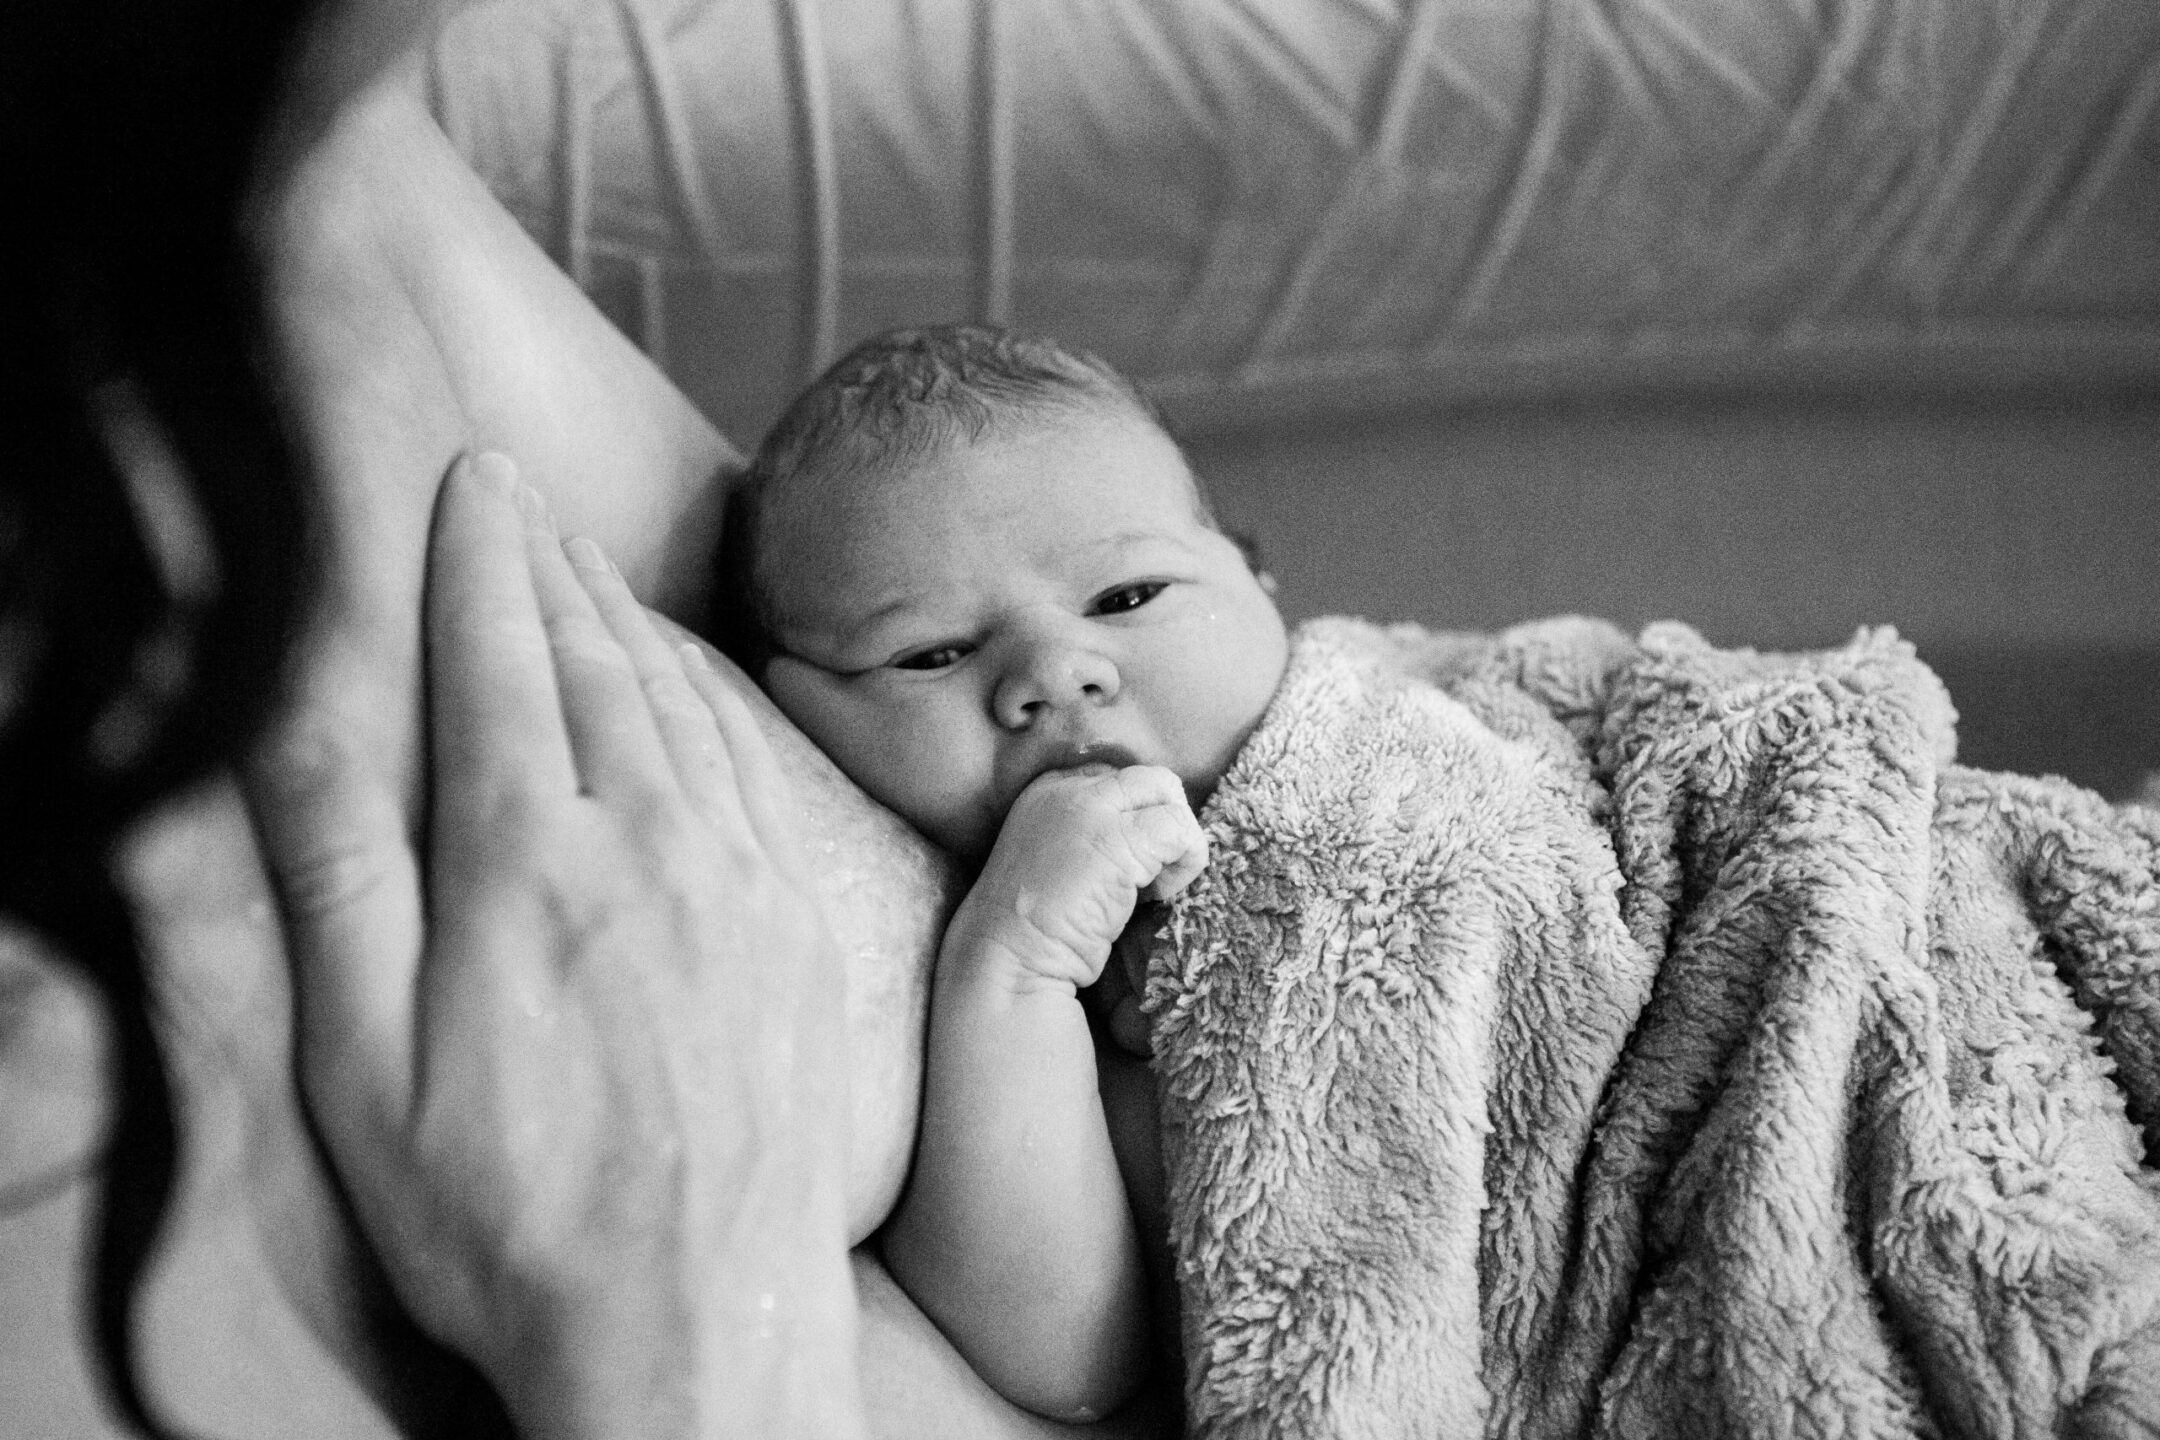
(1337, 204)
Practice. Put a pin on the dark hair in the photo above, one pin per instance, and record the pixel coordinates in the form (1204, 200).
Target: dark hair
(131, 133)
(894, 399)
(128, 133)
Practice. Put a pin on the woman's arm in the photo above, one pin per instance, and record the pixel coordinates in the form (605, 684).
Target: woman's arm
(413, 320)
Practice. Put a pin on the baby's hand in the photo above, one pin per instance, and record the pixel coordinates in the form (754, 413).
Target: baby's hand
(1078, 850)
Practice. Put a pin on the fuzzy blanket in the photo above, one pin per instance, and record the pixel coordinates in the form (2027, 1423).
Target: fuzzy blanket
(1582, 1036)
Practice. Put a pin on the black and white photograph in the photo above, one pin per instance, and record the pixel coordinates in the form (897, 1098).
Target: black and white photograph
(1139, 719)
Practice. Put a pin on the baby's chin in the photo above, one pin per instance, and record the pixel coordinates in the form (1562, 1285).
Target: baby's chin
(966, 840)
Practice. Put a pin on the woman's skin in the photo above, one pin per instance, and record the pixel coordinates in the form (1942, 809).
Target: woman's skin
(600, 1016)
(414, 323)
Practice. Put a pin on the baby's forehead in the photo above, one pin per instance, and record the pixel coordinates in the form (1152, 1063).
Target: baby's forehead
(878, 516)
(871, 475)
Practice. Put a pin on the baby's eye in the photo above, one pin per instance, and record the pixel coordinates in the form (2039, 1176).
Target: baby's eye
(936, 657)
(1128, 597)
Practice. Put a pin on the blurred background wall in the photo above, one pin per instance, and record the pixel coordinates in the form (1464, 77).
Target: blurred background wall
(2017, 545)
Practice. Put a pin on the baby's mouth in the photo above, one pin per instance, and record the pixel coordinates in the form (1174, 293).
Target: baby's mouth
(1115, 757)
(1077, 757)
(1065, 757)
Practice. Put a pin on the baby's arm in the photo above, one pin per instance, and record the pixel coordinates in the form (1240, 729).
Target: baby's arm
(1014, 1234)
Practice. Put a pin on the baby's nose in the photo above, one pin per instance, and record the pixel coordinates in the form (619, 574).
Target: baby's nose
(1052, 677)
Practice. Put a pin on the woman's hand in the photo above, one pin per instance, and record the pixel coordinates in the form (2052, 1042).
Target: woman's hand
(582, 1080)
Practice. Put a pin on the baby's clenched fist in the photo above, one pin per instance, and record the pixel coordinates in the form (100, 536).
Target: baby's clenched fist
(1077, 851)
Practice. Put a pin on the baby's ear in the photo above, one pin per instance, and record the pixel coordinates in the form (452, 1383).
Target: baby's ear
(1249, 547)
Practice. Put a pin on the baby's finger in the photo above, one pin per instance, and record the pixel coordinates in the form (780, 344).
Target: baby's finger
(688, 732)
(1173, 840)
(1142, 786)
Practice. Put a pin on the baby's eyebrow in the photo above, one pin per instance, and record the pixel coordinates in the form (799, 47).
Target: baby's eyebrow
(853, 631)
(817, 639)
(890, 607)
(1130, 537)
(1118, 540)
(832, 660)
(852, 645)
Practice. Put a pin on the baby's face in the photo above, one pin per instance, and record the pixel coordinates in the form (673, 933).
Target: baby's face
(1032, 601)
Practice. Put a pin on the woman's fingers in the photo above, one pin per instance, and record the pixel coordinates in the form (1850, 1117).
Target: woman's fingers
(614, 738)
(685, 724)
(603, 1039)
(333, 834)
(549, 678)
(494, 717)
(763, 786)
(539, 692)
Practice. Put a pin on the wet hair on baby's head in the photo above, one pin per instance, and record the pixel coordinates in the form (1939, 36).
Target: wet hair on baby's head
(893, 400)
(906, 394)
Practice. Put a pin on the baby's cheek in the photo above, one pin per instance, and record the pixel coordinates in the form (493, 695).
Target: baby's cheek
(1224, 697)
(911, 758)
(938, 776)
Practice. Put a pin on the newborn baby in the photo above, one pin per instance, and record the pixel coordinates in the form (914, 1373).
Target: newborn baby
(978, 573)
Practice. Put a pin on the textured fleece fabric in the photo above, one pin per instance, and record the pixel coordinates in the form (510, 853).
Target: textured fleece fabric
(1582, 1036)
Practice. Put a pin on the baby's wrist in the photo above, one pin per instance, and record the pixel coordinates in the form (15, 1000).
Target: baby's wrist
(1010, 955)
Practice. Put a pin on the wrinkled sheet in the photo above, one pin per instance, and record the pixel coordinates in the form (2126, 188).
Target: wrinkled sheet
(1332, 204)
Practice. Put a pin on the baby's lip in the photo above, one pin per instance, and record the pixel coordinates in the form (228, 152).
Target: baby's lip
(1094, 752)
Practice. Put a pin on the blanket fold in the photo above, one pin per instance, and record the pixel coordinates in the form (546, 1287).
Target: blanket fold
(1582, 1036)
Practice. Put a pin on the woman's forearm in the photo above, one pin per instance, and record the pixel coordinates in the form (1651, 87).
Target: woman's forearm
(413, 318)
